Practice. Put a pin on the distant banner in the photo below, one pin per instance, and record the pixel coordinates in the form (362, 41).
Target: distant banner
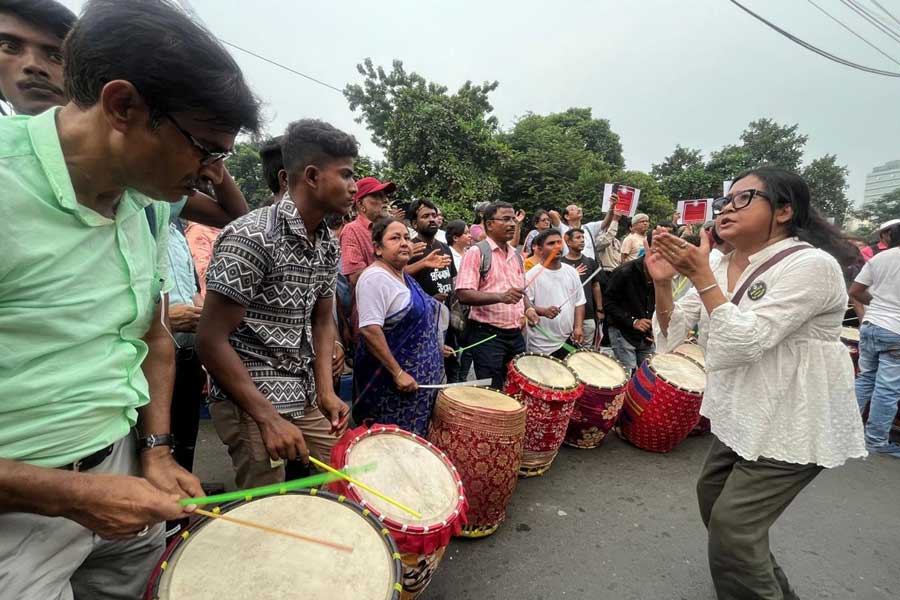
(627, 198)
(695, 211)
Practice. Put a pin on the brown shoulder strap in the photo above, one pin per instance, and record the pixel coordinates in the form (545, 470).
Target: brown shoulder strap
(736, 299)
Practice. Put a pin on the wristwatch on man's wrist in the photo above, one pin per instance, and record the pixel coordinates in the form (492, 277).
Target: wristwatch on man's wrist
(156, 439)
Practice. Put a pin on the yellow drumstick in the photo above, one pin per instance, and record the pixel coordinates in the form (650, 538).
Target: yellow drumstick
(359, 484)
(268, 529)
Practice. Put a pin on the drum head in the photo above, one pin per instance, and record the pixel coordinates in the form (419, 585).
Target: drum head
(850, 334)
(546, 371)
(692, 351)
(477, 397)
(222, 560)
(409, 472)
(679, 371)
(597, 369)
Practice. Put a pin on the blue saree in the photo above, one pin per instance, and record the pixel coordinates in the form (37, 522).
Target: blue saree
(413, 338)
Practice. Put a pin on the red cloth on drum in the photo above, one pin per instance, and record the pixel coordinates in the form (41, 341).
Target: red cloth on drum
(416, 539)
(549, 410)
(594, 415)
(488, 463)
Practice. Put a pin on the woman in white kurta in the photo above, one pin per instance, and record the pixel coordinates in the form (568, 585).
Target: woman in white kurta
(779, 391)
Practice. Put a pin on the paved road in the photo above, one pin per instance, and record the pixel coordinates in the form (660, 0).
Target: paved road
(619, 523)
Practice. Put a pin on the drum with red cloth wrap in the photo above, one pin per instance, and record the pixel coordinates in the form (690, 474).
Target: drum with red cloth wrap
(214, 559)
(662, 402)
(695, 353)
(548, 389)
(850, 337)
(598, 407)
(415, 473)
(483, 432)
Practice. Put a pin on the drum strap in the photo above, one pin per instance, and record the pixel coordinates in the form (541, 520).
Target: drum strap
(736, 299)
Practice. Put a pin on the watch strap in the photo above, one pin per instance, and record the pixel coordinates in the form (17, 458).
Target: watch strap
(153, 440)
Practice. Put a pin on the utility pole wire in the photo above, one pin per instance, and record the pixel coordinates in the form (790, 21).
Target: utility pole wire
(867, 42)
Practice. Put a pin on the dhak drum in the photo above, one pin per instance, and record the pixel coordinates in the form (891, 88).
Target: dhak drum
(598, 407)
(693, 352)
(850, 338)
(662, 402)
(483, 432)
(214, 559)
(548, 389)
(415, 473)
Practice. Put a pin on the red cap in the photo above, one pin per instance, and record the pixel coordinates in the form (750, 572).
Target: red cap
(370, 185)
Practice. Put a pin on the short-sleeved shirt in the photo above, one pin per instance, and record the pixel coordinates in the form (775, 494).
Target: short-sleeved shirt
(589, 267)
(435, 281)
(357, 248)
(632, 246)
(77, 293)
(505, 272)
(266, 262)
(882, 276)
(381, 296)
(561, 288)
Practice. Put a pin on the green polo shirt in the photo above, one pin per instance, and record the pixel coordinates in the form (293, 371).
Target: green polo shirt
(77, 292)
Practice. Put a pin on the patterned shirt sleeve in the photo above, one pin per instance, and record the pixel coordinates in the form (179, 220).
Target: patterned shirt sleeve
(238, 266)
(330, 267)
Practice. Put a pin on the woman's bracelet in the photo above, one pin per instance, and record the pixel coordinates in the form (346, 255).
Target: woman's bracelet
(398, 373)
(707, 288)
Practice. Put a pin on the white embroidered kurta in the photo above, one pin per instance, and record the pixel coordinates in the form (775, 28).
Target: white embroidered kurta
(779, 381)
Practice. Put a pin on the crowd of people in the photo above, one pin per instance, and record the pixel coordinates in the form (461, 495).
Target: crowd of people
(137, 286)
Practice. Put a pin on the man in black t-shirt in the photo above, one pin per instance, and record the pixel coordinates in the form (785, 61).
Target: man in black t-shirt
(593, 309)
(433, 269)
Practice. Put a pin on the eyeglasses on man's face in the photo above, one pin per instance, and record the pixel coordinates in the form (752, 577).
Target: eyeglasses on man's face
(503, 219)
(737, 201)
(207, 156)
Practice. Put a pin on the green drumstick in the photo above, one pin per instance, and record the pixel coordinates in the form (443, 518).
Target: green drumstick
(569, 348)
(276, 488)
(487, 339)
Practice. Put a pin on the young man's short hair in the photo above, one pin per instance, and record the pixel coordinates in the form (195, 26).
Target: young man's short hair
(46, 15)
(570, 233)
(175, 64)
(413, 211)
(540, 238)
(314, 142)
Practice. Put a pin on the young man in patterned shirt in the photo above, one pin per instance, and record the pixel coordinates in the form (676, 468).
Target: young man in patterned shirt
(268, 314)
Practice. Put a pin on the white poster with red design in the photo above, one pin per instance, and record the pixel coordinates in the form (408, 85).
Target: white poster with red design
(695, 211)
(628, 197)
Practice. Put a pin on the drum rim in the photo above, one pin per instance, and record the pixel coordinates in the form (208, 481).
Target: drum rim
(455, 516)
(522, 406)
(152, 590)
(544, 385)
(598, 387)
(675, 385)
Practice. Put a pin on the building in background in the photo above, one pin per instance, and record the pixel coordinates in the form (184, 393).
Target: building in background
(882, 180)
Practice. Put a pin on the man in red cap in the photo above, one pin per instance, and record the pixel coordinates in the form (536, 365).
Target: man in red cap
(357, 251)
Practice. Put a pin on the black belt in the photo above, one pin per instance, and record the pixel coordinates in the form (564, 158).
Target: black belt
(89, 462)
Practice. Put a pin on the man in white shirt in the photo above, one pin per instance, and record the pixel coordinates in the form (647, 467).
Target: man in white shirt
(571, 219)
(557, 289)
(877, 287)
(634, 241)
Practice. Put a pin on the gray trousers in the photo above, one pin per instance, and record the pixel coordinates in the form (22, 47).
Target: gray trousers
(739, 501)
(53, 558)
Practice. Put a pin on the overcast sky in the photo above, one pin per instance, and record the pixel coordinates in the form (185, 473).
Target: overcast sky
(664, 72)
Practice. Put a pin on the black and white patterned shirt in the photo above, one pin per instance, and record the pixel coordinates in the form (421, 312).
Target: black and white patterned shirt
(266, 262)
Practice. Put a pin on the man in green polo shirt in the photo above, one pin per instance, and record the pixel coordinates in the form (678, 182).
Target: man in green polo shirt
(86, 362)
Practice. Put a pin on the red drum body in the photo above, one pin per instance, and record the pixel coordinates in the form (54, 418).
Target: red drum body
(850, 337)
(548, 389)
(483, 432)
(415, 473)
(597, 409)
(662, 402)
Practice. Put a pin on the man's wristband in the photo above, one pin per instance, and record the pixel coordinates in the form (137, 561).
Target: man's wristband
(153, 440)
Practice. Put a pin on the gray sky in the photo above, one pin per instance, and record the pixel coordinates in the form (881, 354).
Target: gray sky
(663, 72)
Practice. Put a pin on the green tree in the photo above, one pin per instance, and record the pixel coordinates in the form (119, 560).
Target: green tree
(246, 168)
(767, 142)
(682, 159)
(596, 134)
(437, 145)
(827, 182)
(881, 209)
(683, 176)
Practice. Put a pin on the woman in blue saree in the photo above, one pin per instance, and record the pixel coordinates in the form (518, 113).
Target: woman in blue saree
(401, 349)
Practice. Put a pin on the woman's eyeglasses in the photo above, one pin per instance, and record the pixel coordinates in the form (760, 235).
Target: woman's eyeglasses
(738, 201)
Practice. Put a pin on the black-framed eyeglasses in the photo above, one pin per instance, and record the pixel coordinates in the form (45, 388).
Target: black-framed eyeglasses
(208, 157)
(738, 201)
(503, 220)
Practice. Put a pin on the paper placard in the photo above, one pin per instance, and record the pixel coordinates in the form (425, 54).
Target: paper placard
(628, 198)
(695, 211)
